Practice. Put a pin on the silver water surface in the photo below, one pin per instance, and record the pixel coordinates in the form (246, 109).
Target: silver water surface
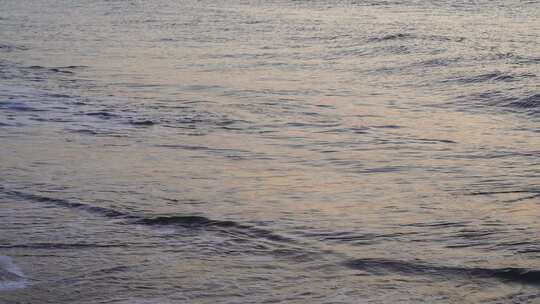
(269, 151)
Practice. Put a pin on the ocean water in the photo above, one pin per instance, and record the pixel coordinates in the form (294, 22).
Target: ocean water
(280, 151)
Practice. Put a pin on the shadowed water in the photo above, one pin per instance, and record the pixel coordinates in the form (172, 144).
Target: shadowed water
(269, 151)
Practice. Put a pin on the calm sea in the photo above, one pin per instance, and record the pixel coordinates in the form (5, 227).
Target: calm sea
(277, 151)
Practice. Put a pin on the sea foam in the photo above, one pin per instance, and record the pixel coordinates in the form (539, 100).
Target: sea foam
(11, 276)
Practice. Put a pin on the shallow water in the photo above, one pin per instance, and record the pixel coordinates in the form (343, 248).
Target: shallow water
(269, 151)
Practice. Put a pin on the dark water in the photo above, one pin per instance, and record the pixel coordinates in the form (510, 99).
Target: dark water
(269, 151)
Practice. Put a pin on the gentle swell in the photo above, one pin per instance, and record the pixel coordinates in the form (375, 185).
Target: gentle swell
(62, 69)
(382, 266)
(11, 48)
(522, 103)
(60, 246)
(370, 265)
(65, 203)
(185, 221)
(496, 76)
(398, 36)
(532, 101)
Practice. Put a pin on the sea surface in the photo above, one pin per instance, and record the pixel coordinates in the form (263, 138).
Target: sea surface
(276, 151)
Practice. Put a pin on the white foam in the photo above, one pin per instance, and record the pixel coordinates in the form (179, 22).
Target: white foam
(11, 276)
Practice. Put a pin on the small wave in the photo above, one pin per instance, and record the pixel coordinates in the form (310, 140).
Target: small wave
(56, 95)
(142, 123)
(440, 224)
(194, 221)
(96, 273)
(11, 48)
(515, 58)
(19, 107)
(383, 266)
(61, 69)
(398, 36)
(398, 49)
(353, 130)
(65, 203)
(99, 132)
(55, 70)
(529, 102)
(235, 154)
(526, 191)
(445, 38)
(432, 141)
(186, 221)
(11, 277)
(496, 76)
(101, 114)
(60, 246)
(437, 62)
(73, 67)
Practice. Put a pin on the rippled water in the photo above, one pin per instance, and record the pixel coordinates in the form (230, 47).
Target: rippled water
(269, 151)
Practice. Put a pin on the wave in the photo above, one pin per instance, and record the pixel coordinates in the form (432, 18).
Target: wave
(101, 114)
(244, 232)
(527, 102)
(383, 266)
(496, 76)
(184, 221)
(143, 122)
(11, 48)
(17, 106)
(398, 36)
(60, 246)
(407, 36)
(61, 69)
(108, 212)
